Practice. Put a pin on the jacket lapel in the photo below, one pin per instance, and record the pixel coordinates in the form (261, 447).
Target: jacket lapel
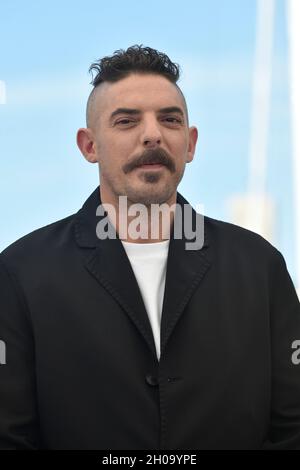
(112, 269)
(107, 261)
(185, 270)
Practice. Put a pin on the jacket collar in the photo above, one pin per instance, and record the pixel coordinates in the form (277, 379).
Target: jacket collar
(109, 264)
(86, 221)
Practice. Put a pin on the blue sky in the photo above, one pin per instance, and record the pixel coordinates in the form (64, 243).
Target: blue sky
(46, 49)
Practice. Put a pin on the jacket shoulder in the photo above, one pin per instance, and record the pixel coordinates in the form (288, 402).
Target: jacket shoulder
(234, 239)
(46, 239)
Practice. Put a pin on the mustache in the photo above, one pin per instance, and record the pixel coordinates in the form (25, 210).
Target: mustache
(157, 155)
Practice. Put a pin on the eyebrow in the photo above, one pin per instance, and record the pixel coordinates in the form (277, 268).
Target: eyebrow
(131, 111)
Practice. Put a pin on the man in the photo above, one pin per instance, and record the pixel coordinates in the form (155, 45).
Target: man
(119, 337)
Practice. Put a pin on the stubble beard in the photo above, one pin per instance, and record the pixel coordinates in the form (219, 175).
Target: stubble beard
(152, 192)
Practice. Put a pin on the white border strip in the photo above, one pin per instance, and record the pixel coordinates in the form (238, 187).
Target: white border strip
(2, 92)
(262, 84)
(293, 18)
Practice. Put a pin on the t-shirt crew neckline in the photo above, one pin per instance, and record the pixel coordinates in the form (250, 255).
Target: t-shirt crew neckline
(145, 248)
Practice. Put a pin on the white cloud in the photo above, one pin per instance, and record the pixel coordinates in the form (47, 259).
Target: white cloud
(2, 92)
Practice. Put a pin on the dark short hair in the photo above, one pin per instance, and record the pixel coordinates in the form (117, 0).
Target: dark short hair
(135, 59)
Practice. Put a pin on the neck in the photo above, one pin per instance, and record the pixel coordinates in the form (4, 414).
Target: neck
(140, 223)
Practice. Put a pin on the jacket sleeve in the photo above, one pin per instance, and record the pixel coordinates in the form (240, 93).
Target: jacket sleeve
(284, 432)
(18, 411)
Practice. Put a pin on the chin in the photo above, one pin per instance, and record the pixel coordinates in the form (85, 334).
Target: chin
(150, 196)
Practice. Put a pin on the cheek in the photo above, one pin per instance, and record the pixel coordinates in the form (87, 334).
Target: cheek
(180, 151)
(179, 144)
(112, 158)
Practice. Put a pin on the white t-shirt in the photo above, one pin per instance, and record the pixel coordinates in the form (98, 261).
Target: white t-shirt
(149, 264)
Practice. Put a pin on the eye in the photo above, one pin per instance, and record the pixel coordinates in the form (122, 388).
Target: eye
(173, 120)
(124, 121)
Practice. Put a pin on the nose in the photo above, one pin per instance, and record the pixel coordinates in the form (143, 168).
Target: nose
(151, 134)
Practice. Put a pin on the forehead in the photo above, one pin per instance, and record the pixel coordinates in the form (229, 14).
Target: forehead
(138, 91)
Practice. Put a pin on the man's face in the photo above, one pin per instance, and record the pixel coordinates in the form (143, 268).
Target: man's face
(132, 126)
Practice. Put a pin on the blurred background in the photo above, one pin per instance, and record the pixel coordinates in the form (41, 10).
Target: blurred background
(240, 75)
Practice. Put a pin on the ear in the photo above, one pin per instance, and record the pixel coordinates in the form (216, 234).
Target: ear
(86, 143)
(193, 137)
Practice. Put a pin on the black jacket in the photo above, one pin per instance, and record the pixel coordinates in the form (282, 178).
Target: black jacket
(81, 370)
